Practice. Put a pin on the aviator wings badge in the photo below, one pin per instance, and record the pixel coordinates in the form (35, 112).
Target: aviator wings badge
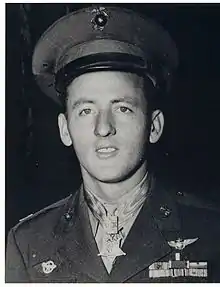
(180, 244)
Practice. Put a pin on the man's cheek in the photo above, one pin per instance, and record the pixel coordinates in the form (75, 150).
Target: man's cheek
(80, 138)
(82, 146)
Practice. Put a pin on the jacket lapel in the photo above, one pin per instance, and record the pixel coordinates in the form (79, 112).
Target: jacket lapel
(79, 250)
(147, 240)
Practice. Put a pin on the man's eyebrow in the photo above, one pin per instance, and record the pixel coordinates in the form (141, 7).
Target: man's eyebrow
(125, 99)
(81, 102)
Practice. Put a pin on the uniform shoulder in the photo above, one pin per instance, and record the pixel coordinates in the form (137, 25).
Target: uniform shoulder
(192, 200)
(41, 213)
(183, 196)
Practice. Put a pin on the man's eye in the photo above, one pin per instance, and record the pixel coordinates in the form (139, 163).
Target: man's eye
(125, 110)
(85, 112)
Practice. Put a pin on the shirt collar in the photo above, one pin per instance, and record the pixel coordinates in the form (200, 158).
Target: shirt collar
(127, 206)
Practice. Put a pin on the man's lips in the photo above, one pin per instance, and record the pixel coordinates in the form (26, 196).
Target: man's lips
(106, 151)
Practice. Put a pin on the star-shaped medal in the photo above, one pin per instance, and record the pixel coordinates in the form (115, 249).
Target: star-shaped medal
(111, 245)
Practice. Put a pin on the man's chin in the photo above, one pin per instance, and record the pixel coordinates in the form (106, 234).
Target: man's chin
(109, 177)
(111, 174)
(110, 180)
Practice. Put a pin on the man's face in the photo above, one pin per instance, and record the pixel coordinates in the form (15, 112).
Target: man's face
(106, 123)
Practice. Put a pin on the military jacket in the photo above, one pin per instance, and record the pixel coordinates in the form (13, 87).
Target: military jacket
(175, 238)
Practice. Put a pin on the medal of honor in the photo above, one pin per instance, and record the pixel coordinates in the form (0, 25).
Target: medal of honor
(111, 245)
(110, 224)
(112, 238)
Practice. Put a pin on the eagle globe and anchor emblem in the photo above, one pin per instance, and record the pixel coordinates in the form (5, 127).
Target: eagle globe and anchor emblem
(100, 19)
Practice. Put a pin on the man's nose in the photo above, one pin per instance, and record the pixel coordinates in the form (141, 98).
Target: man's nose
(105, 125)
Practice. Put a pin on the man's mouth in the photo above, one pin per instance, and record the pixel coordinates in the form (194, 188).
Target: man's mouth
(105, 152)
(106, 149)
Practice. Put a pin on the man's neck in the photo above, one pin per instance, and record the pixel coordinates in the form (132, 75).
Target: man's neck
(112, 192)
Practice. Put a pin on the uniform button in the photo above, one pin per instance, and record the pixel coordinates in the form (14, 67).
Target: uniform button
(166, 211)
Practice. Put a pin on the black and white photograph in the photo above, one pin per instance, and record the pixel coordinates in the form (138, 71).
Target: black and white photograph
(112, 145)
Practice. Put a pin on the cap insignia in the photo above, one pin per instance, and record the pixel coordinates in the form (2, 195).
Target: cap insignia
(100, 18)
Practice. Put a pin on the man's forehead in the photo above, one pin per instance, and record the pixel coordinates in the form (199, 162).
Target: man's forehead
(106, 79)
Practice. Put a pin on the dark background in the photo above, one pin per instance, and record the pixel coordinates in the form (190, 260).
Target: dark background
(40, 170)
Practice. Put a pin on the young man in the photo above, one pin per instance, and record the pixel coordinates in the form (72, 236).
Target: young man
(107, 66)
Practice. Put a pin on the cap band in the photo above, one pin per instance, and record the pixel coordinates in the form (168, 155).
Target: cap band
(97, 46)
(107, 62)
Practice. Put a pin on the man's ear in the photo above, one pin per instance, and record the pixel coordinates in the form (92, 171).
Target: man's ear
(64, 132)
(156, 126)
